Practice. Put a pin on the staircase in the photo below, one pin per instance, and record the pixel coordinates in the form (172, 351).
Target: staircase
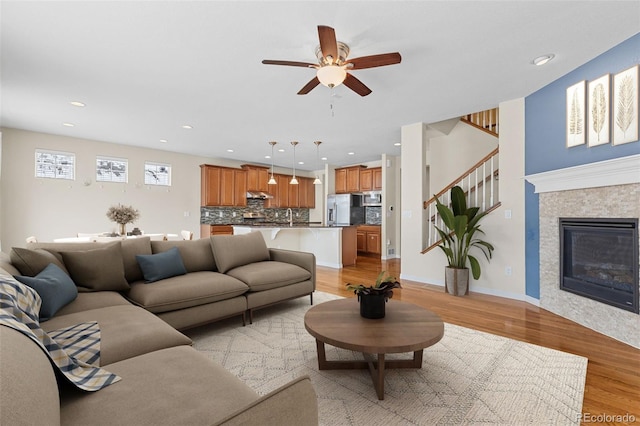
(480, 182)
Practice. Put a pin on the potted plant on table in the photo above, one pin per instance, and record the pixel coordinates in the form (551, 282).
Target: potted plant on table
(462, 227)
(373, 298)
(122, 215)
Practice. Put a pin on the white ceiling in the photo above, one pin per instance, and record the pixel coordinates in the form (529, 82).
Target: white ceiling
(146, 68)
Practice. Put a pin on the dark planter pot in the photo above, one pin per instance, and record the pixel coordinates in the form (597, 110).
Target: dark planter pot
(372, 305)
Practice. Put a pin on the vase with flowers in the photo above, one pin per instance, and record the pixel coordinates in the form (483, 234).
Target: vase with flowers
(373, 298)
(122, 215)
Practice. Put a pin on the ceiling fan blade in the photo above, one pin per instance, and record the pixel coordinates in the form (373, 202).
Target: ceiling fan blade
(289, 63)
(309, 86)
(328, 43)
(374, 61)
(356, 85)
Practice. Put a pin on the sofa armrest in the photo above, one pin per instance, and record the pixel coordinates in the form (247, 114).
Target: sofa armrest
(294, 403)
(300, 258)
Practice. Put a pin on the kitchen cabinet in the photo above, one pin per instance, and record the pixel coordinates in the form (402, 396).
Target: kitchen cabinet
(207, 230)
(341, 181)
(358, 179)
(368, 239)
(222, 186)
(257, 178)
(306, 193)
(377, 178)
(294, 193)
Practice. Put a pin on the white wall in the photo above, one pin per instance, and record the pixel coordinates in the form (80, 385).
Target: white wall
(507, 235)
(50, 208)
(390, 206)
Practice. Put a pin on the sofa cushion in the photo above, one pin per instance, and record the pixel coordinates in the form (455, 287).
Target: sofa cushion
(98, 269)
(94, 300)
(184, 291)
(267, 275)
(6, 266)
(31, 262)
(163, 265)
(232, 251)
(125, 331)
(130, 248)
(176, 386)
(196, 254)
(55, 288)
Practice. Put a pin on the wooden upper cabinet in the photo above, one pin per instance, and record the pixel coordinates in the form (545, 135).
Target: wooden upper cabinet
(294, 193)
(366, 180)
(341, 181)
(209, 185)
(377, 178)
(240, 188)
(257, 178)
(222, 186)
(353, 179)
(307, 193)
(282, 190)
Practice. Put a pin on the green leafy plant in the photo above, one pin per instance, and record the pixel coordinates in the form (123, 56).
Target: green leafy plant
(462, 225)
(384, 286)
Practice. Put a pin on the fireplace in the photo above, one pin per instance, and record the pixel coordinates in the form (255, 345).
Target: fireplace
(599, 260)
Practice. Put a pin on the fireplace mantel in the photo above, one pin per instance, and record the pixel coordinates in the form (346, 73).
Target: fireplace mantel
(618, 171)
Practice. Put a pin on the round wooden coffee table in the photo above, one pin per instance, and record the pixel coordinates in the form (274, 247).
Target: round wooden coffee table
(405, 328)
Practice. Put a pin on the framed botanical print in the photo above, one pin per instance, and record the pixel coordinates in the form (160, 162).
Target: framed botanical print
(599, 111)
(576, 114)
(625, 106)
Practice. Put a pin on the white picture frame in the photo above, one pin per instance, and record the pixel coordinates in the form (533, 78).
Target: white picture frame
(625, 106)
(599, 111)
(575, 114)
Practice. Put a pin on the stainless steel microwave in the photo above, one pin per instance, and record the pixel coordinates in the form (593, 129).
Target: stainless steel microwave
(372, 198)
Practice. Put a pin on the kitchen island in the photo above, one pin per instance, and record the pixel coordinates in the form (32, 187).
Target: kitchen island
(333, 246)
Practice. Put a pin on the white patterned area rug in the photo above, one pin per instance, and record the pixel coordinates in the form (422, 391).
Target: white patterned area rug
(469, 377)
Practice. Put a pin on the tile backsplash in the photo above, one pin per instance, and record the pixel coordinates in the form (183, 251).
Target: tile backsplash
(373, 215)
(234, 215)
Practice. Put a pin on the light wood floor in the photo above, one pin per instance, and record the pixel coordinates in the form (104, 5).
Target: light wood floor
(613, 371)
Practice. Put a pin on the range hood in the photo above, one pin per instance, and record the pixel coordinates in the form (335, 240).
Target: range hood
(259, 194)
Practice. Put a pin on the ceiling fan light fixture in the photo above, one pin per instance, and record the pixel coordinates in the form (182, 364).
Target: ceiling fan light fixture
(331, 75)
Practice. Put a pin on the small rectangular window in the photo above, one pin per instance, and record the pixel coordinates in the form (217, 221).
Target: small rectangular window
(157, 174)
(111, 169)
(55, 164)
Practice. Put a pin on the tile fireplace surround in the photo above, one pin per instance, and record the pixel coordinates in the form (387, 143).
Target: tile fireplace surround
(607, 189)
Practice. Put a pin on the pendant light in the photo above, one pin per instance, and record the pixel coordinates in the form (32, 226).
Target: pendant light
(317, 181)
(294, 180)
(272, 180)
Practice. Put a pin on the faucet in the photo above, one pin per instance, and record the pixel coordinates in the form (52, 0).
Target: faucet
(290, 214)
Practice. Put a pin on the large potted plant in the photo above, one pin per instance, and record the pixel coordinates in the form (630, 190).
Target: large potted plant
(461, 234)
(373, 298)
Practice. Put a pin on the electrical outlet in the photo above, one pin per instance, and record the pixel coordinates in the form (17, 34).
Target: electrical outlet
(297, 214)
(233, 214)
(276, 214)
(206, 214)
(507, 271)
(220, 214)
(187, 214)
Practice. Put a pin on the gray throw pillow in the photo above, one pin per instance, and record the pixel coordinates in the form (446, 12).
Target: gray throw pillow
(55, 288)
(231, 251)
(100, 269)
(31, 262)
(156, 267)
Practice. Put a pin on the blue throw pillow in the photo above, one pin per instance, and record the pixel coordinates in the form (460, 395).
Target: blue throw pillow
(55, 288)
(156, 267)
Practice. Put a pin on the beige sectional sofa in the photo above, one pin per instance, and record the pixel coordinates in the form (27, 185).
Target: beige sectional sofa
(163, 379)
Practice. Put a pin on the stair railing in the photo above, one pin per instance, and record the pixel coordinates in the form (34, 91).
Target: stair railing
(487, 120)
(480, 184)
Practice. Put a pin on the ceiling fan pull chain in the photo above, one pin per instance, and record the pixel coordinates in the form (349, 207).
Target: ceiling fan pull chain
(331, 102)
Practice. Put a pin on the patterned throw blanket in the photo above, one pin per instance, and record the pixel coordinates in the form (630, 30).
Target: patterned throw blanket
(73, 349)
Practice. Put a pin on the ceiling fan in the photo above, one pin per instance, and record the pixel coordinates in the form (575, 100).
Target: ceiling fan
(332, 66)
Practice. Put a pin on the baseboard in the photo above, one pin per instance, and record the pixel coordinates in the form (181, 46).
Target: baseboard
(498, 293)
(531, 300)
(329, 265)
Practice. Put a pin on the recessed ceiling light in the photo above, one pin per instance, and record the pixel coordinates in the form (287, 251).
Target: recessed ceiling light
(541, 60)
(186, 126)
(324, 158)
(68, 124)
(77, 103)
(267, 156)
(229, 150)
(300, 162)
(397, 144)
(351, 153)
(163, 140)
(281, 150)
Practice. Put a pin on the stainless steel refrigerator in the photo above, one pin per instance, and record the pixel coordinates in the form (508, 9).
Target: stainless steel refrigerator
(345, 209)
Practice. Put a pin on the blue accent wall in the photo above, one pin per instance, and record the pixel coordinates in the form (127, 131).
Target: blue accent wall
(545, 141)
